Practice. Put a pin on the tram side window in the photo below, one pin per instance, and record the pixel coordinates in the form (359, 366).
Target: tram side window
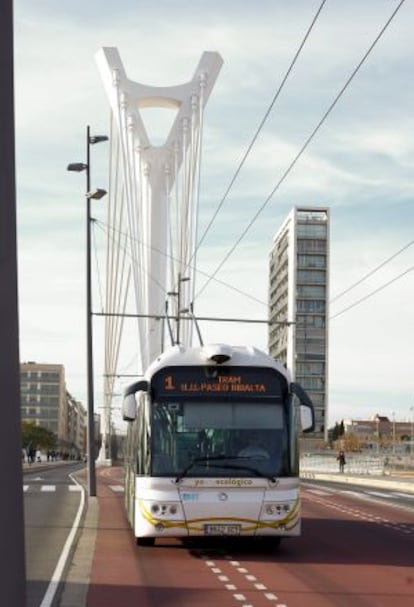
(164, 424)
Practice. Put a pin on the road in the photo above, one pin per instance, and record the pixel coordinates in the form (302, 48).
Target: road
(357, 549)
(51, 503)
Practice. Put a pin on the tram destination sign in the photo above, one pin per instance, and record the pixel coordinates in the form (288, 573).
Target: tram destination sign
(223, 381)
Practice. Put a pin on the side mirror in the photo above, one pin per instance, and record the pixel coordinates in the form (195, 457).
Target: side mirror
(129, 408)
(129, 404)
(307, 419)
(307, 412)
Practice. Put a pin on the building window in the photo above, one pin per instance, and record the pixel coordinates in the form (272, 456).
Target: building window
(311, 291)
(310, 321)
(311, 246)
(318, 276)
(312, 261)
(312, 230)
(308, 305)
(310, 368)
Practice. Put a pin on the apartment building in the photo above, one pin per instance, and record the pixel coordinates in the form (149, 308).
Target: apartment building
(298, 303)
(76, 425)
(46, 402)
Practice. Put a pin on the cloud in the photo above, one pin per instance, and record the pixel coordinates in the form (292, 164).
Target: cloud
(360, 164)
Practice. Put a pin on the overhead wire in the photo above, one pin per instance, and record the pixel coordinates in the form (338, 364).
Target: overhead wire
(259, 128)
(98, 274)
(371, 272)
(105, 228)
(303, 148)
(381, 288)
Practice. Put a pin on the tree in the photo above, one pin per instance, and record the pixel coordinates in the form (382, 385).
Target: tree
(37, 437)
(337, 431)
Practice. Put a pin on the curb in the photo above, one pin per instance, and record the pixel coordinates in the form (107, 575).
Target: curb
(75, 589)
(389, 482)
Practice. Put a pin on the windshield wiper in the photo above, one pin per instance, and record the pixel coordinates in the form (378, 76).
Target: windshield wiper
(206, 459)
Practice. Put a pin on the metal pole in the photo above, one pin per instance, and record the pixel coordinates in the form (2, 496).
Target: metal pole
(393, 433)
(89, 354)
(12, 576)
(412, 432)
(178, 308)
(378, 437)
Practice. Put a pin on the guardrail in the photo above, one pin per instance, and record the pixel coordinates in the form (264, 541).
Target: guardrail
(356, 463)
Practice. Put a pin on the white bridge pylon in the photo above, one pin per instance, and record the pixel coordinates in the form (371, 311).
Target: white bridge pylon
(162, 211)
(153, 199)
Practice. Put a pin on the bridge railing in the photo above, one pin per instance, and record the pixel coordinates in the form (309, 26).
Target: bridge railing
(358, 463)
(355, 463)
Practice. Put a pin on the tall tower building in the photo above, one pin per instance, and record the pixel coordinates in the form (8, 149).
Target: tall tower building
(298, 303)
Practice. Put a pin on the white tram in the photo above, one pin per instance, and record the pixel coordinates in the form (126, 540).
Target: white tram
(212, 445)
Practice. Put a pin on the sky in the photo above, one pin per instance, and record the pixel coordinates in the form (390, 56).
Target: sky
(360, 164)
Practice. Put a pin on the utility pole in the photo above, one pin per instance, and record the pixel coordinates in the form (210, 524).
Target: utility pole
(12, 576)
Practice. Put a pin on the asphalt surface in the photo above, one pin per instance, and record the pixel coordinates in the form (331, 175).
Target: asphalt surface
(94, 557)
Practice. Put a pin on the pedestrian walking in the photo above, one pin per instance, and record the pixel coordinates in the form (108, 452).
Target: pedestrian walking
(342, 461)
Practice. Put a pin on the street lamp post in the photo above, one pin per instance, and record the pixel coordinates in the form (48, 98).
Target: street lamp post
(393, 432)
(96, 195)
(378, 435)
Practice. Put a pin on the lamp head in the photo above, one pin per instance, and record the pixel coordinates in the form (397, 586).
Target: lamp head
(77, 166)
(97, 138)
(96, 194)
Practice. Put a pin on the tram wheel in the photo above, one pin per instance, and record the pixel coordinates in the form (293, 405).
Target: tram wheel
(145, 541)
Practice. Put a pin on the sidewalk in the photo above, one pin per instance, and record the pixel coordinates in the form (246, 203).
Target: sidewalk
(103, 570)
(390, 481)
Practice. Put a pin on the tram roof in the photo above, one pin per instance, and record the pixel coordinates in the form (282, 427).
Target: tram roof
(204, 355)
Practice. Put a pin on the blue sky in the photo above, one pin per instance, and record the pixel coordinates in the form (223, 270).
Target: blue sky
(360, 164)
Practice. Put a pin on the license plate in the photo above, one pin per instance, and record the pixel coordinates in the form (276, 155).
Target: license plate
(222, 529)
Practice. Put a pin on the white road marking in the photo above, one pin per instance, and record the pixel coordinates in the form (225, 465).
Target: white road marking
(249, 577)
(61, 564)
(319, 492)
(380, 494)
(117, 488)
(361, 496)
(25, 487)
(48, 488)
(75, 488)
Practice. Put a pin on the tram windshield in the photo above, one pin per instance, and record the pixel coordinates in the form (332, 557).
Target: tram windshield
(219, 438)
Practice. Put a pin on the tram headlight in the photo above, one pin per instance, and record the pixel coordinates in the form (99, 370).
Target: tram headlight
(275, 509)
(164, 509)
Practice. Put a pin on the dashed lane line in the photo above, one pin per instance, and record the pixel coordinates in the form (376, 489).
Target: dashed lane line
(232, 587)
(366, 516)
